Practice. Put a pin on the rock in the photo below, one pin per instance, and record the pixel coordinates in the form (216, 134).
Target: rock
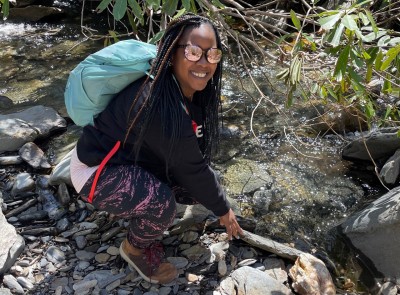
(23, 183)
(34, 156)
(33, 13)
(375, 231)
(11, 244)
(271, 246)
(5, 102)
(12, 283)
(55, 255)
(310, 276)
(4, 291)
(390, 170)
(381, 144)
(249, 281)
(245, 176)
(19, 128)
(63, 195)
(10, 160)
(60, 173)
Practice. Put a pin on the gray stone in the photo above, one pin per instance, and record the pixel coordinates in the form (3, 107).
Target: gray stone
(11, 245)
(11, 282)
(390, 171)
(4, 291)
(381, 144)
(23, 183)
(375, 231)
(60, 173)
(19, 128)
(63, 194)
(249, 281)
(55, 255)
(34, 156)
(10, 160)
(85, 255)
(24, 282)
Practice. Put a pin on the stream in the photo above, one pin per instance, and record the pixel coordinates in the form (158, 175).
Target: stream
(295, 185)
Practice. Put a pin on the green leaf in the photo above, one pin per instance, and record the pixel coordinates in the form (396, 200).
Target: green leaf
(186, 4)
(103, 5)
(132, 22)
(329, 22)
(356, 80)
(369, 109)
(391, 54)
(179, 13)
(295, 20)
(137, 10)
(332, 93)
(341, 64)
(156, 37)
(372, 21)
(387, 113)
(348, 22)
(364, 18)
(338, 34)
(170, 6)
(5, 9)
(378, 60)
(114, 35)
(119, 9)
(153, 4)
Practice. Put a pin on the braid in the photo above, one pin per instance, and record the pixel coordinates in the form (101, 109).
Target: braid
(162, 96)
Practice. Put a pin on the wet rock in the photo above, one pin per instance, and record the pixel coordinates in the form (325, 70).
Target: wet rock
(375, 231)
(390, 170)
(63, 194)
(5, 102)
(381, 144)
(33, 13)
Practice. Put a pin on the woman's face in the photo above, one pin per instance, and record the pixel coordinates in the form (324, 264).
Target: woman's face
(193, 76)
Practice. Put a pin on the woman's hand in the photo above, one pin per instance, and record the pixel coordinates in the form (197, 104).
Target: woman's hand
(232, 226)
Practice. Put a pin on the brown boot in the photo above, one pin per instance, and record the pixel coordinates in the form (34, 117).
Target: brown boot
(148, 263)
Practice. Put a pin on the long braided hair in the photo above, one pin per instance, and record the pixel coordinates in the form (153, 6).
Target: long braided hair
(164, 94)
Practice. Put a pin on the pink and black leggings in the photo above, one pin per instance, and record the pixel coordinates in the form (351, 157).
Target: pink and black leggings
(130, 192)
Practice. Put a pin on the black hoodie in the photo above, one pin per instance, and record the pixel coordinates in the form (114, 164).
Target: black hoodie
(186, 167)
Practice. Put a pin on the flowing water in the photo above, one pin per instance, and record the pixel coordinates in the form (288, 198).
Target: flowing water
(300, 188)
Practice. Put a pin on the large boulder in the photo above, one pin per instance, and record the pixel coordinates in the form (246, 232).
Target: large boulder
(375, 232)
(379, 144)
(19, 128)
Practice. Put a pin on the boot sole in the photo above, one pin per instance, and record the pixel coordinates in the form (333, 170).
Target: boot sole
(130, 262)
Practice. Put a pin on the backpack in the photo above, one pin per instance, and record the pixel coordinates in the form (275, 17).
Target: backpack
(102, 75)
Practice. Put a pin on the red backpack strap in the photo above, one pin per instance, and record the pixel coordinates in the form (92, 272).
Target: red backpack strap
(101, 167)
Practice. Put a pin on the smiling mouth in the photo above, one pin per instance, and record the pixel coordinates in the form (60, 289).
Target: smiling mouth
(200, 75)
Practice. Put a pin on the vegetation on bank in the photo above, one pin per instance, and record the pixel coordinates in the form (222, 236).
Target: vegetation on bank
(354, 47)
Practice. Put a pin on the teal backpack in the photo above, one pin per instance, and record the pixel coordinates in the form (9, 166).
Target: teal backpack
(102, 75)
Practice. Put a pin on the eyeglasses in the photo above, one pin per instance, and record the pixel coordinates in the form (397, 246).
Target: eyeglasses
(195, 53)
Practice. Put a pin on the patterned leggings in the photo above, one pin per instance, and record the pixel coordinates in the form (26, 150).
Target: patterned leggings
(131, 192)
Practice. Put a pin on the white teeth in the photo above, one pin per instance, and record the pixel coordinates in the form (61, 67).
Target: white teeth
(200, 75)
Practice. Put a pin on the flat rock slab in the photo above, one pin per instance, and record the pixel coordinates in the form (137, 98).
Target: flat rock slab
(19, 128)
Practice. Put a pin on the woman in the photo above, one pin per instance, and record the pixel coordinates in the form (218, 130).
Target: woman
(167, 125)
